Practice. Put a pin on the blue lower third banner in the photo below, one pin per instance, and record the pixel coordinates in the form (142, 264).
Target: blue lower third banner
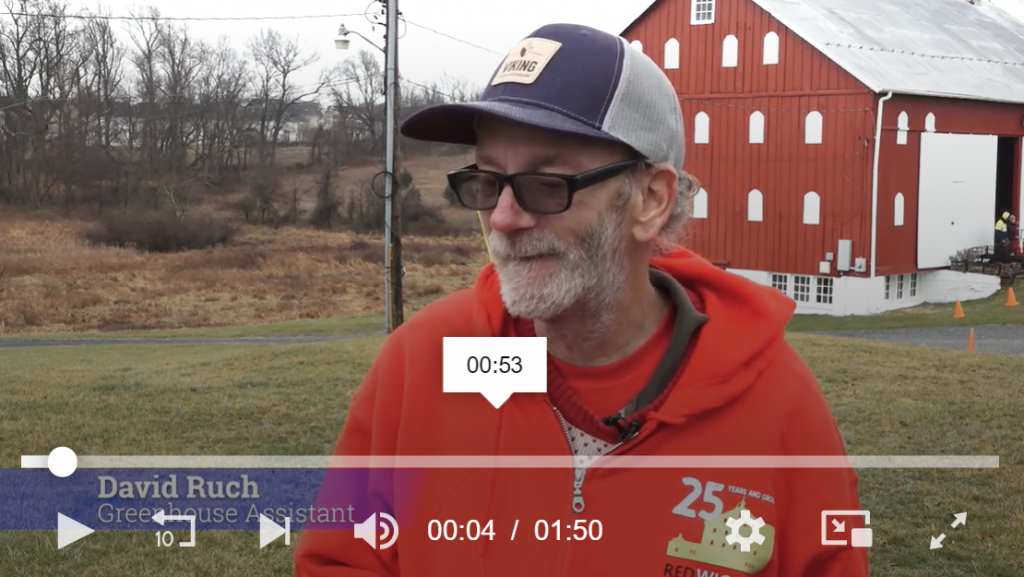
(219, 499)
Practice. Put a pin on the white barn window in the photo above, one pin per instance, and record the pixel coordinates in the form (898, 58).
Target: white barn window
(637, 45)
(755, 206)
(904, 126)
(730, 52)
(929, 122)
(812, 208)
(771, 49)
(702, 128)
(801, 288)
(757, 128)
(672, 54)
(700, 204)
(813, 128)
(780, 282)
(897, 210)
(702, 12)
(904, 121)
(823, 294)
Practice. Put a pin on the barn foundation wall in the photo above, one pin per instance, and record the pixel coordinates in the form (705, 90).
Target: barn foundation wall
(849, 296)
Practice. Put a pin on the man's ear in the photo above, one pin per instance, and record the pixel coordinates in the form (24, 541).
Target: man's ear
(657, 192)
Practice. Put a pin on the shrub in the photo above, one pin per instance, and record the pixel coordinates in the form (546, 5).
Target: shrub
(267, 196)
(421, 219)
(404, 179)
(327, 203)
(364, 212)
(161, 231)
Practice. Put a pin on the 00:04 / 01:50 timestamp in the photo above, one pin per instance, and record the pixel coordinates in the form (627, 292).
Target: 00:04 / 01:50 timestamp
(542, 530)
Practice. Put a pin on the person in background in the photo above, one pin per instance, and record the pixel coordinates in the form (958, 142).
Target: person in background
(652, 352)
(1012, 234)
(1001, 236)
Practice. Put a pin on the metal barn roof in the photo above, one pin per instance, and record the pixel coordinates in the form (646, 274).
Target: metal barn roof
(948, 48)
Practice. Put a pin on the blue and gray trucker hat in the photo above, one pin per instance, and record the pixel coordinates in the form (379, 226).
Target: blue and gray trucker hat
(573, 79)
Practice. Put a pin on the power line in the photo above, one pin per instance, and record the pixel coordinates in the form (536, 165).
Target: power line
(449, 36)
(430, 88)
(179, 18)
(365, 14)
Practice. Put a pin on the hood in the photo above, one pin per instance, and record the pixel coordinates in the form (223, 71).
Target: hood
(745, 320)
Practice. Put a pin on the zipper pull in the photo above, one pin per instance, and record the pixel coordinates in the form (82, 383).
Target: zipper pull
(577, 491)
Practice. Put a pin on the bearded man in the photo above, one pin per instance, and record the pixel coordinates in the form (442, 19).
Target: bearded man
(652, 352)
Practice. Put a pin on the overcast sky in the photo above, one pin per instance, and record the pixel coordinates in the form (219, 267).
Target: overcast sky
(423, 55)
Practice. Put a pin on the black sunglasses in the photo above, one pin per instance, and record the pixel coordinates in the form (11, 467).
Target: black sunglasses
(535, 192)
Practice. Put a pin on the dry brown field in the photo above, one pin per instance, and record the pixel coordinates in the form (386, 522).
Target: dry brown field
(53, 281)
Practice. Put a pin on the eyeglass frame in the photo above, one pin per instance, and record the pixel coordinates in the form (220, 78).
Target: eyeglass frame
(574, 183)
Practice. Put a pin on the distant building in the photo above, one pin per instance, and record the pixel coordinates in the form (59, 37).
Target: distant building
(300, 119)
(847, 149)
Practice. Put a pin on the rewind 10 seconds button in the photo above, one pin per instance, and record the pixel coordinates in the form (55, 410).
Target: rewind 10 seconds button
(474, 530)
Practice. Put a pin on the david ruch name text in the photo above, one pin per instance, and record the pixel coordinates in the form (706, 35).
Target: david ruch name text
(195, 487)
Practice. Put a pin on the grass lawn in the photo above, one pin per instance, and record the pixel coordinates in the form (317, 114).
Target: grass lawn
(987, 311)
(270, 400)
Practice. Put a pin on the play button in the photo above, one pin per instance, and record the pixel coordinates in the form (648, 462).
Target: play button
(69, 531)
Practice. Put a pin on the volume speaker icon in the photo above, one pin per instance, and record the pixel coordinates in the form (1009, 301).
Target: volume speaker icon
(367, 530)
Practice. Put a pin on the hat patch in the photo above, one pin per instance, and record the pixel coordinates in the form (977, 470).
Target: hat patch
(526, 61)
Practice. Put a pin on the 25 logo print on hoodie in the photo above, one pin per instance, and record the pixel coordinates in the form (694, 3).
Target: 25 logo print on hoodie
(713, 549)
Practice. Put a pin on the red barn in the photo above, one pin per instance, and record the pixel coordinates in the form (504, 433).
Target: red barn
(847, 149)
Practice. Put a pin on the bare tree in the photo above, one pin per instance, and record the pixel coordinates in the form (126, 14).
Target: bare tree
(359, 101)
(18, 65)
(149, 120)
(145, 32)
(220, 98)
(102, 85)
(277, 61)
(179, 58)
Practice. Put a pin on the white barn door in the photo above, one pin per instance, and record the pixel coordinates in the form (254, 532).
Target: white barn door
(956, 195)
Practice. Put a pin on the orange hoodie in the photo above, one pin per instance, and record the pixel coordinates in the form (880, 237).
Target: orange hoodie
(743, 391)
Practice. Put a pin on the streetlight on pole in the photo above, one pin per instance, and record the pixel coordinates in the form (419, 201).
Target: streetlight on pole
(393, 308)
(342, 41)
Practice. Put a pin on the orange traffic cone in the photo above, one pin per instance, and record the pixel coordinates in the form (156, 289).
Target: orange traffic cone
(958, 311)
(1011, 301)
(970, 341)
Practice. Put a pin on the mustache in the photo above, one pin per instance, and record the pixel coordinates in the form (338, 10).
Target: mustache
(526, 245)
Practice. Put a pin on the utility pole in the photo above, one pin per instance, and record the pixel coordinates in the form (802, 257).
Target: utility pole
(392, 211)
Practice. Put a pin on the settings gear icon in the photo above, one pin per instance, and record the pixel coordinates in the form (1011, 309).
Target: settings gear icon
(755, 534)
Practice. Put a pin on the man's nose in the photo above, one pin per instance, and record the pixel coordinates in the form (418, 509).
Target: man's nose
(508, 216)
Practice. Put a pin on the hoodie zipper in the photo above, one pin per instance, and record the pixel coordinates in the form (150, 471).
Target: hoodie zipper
(580, 474)
(581, 466)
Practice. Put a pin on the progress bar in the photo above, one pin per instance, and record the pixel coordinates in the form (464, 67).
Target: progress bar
(526, 462)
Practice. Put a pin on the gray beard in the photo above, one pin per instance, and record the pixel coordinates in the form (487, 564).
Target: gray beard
(587, 278)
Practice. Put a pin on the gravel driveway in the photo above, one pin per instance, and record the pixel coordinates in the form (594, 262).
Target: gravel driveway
(1006, 339)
